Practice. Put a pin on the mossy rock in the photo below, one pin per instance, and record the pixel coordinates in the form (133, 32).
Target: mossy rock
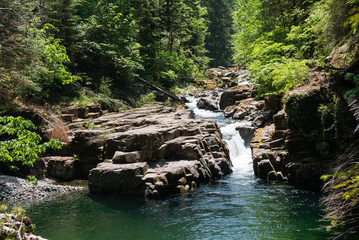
(302, 110)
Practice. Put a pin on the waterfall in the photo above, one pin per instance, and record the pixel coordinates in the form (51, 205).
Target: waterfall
(240, 155)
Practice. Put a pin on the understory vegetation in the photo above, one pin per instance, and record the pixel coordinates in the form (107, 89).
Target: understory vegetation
(342, 194)
(76, 52)
(280, 42)
(51, 50)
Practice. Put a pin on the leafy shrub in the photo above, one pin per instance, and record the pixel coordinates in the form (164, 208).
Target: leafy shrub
(105, 86)
(14, 221)
(149, 98)
(355, 91)
(279, 77)
(289, 74)
(168, 103)
(18, 142)
(50, 70)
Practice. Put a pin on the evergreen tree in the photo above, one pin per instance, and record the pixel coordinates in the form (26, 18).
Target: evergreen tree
(218, 42)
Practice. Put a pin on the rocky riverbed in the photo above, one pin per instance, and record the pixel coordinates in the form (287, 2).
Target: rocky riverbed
(14, 189)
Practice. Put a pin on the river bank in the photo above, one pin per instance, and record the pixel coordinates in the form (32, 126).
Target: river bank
(239, 206)
(15, 189)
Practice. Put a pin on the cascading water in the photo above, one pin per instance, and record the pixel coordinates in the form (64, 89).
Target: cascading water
(236, 207)
(239, 154)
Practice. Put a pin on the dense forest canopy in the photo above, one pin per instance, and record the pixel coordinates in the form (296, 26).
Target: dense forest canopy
(279, 42)
(50, 47)
(58, 51)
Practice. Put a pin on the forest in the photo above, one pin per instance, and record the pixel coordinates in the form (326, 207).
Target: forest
(53, 48)
(73, 52)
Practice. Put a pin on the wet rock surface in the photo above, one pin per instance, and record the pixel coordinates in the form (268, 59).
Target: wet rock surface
(207, 104)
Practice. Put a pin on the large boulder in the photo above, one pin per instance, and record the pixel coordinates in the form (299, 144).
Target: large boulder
(232, 95)
(246, 133)
(207, 104)
(62, 168)
(58, 167)
(118, 178)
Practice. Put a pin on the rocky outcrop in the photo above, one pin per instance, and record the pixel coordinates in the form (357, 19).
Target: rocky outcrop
(63, 168)
(296, 147)
(235, 94)
(70, 114)
(207, 104)
(227, 77)
(152, 151)
(281, 154)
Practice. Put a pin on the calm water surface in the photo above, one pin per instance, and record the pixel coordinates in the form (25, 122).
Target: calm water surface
(237, 207)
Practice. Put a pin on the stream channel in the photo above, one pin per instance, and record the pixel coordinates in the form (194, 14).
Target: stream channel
(239, 206)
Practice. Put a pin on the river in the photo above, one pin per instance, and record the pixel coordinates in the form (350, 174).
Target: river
(239, 206)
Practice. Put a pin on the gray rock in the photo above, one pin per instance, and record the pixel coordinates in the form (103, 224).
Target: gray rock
(126, 157)
(232, 95)
(207, 104)
(153, 149)
(247, 133)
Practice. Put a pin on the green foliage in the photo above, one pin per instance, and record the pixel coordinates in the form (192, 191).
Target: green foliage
(353, 15)
(15, 222)
(51, 69)
(279, 77)
(19, 143)
(176, 90)
(346, 186)
(302, 109)
(273, 52)
(355, 91)
(149, 98)
(107, 41)
(218, 41)
(279, 42)
(31, 179)
(105, 86)
(168, 103)
(342, 194)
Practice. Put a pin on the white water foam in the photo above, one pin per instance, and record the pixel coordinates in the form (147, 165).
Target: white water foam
(200, 113)
(241, 156)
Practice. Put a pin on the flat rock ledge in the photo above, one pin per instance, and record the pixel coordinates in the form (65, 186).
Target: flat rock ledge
(156, 151)
(14, 189)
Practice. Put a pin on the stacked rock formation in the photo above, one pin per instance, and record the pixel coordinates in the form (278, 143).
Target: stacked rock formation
(153, 151)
